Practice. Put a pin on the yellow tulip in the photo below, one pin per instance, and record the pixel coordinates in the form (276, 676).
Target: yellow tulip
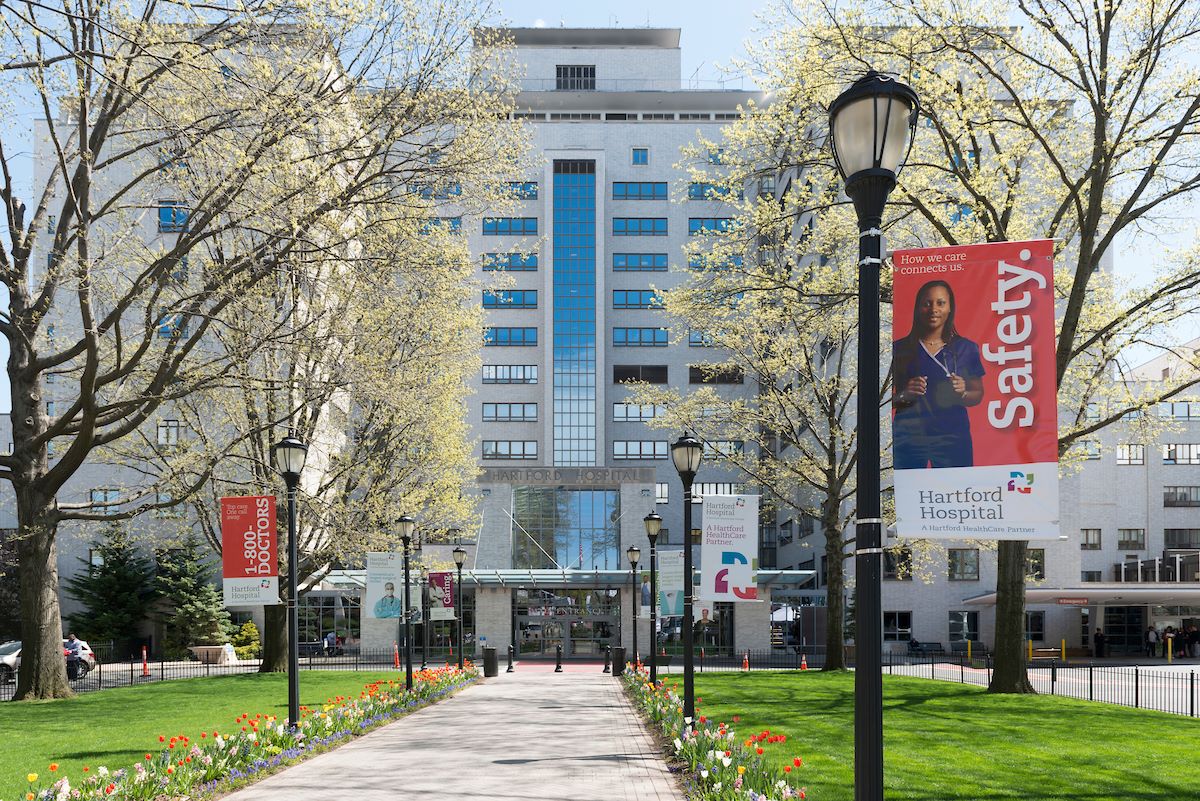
(32, 777)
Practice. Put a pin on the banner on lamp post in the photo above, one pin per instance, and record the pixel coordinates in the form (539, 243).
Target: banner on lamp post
(442, 586)
(249, 551)
(974, 407)
(382, 598)
(670, 583)
(729, 548)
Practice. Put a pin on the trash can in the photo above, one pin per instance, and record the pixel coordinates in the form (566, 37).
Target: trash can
(618, 665)
(491, 665)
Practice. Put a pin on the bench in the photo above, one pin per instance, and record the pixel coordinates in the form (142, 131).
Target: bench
(925, 648)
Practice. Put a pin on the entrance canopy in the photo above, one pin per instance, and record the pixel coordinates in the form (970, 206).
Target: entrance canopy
(597, 578)
(1109, 594)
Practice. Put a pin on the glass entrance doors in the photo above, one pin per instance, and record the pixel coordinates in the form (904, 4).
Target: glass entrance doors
(582, 621)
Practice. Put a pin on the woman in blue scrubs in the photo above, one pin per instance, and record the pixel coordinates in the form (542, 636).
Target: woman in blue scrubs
(939, 374)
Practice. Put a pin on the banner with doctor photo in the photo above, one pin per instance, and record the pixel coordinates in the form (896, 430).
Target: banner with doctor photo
(441, 594)
(670, 583)
(729, 548)
(974, 411)
(383, 595)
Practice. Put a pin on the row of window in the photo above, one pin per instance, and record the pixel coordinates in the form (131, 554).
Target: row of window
(1135, 453)
(962, 626)
(630, 116)
(623, 450)
(108, 501)
(528, 299)
(1134, 539)
(621, 262)
(962, 564)
(649, 373)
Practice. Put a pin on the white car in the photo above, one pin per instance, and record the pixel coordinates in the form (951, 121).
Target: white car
(10, 660)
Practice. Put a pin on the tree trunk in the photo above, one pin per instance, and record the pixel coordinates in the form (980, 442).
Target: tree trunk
(274, 634)
(43, 672)
(1009, 673)
(835, 596)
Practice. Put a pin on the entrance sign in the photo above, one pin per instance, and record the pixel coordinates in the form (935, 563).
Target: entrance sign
(442, 585)
(975, 415)
(249, 551)
(1071, 601)
(729, 548)
(670, 583)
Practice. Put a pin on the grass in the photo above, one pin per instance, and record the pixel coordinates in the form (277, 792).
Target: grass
(117, 727)
(946, 741)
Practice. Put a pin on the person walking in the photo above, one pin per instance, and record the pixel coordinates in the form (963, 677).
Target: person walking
(1151, 642)
(1098, 639)
(72, 649)
(1193, 641)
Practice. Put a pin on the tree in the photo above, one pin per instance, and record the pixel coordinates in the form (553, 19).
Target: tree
(116, 590)
(1073, 123)
(195, 613)
(273, 131)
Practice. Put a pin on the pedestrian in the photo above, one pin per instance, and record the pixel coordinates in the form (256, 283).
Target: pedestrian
(1169, 642)
(1098, 639)
(72, 648)
(330, 643)
(1151, 642)
(1193, 641)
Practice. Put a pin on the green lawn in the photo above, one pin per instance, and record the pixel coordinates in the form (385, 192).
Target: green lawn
(946, 741)
(116, 727)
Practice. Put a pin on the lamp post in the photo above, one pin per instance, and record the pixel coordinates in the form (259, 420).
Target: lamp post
(686, 453)
(407, 527)
(288, 456)
(460, 556)
(425, 599)
(653, 523)
(634, 553)
(871, 128)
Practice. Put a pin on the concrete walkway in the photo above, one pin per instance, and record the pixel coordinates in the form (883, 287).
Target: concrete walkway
(532, 734)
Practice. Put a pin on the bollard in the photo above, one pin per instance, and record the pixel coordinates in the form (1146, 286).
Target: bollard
(510, 660)
(607, 658)
(618, 660)
(558, 659)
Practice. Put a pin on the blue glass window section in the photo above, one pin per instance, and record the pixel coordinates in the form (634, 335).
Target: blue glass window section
(708, 225)
(641, 156)
(702, 190)
(510, 226)
(172, 216)
(510, 299)
(706, 261)
(566, 528)
(639, 262)
(639, 226)
(524, 190)
(510, 262)
(636, 299)
(497, 336)
(640, 337)
(451, 224)
(639, 190)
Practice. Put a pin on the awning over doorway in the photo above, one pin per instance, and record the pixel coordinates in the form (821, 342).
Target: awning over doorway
(1107, 594)
(600, 578)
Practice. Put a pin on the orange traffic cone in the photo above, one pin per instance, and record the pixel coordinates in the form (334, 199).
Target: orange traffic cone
(803, 662)
(145, 663)
(746, 661)
(664, 650)
(396, 654)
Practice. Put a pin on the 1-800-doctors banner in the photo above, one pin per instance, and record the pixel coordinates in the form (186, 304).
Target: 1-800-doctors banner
(249, 552)
(974, 407)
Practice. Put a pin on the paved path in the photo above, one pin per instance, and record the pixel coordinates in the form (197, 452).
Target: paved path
(532, 734)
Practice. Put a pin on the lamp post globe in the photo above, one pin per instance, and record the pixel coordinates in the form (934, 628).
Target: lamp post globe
(634, 553)
(653, 523)
(686, 453)
(288, 457)
(460, 556)
(871, 129)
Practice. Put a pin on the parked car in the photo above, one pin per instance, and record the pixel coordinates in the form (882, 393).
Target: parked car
(10, 660)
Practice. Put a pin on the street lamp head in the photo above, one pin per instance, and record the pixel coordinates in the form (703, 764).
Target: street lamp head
(872, 124)
(653, 523)
(288, 455)
(686, 453)
(460, 556)
(407, 527)
(634, 553)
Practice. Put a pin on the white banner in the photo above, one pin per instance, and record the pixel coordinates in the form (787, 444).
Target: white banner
(729, 548)
(670, 583)
(985, 502)
(385, 576)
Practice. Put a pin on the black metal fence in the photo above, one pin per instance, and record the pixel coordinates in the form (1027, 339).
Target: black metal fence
(108, 674)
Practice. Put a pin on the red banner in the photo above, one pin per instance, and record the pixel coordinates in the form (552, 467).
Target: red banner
(249, 553)
(442, 584)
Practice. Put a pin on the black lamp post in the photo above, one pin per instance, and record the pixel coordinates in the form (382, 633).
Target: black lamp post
(686, 454)
(653, 523)
(426, 597)
(634, 553)
(407, 527)
(460, 556)
(871, 128)
(288, 455)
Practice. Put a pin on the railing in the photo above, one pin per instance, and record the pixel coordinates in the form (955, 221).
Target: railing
(1171, 567)
(638, 85)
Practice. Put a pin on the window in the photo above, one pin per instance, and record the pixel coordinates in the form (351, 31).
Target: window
(451, 225)
(51, 223)
(510, 449)
(524, 190)
(662, 492)
(702, 190)
(172, 216)
(641, 156)
(575, 77)
(639, 262)
(1089, 539)
(1035, 626)
(709, 261)
(109, 499)
(960, 212)
(1133, 453)
(640, 337)
(51, 409)
(172, 325)
(708, 225)
(510, 374)
(897, 564)
(716, 155)
(1091, 411)
(510, 262)
(964, 626)
(169, 432)
(1181, 538)
(897, 626)
(1035, 564)
(650, 373)
(1090, 449)
(515, 337)
(1181, 496)
(1088, 576)
(1182, 453)
(699, 339)
(444, 192)
(636, 299)
(1131, 539)
(639, 226)
(723, 447)
(702, 488)
(515, 226)
(170, 510)
(634, 413)
(715, 374)
(1179, 410)
(510, 299)
(639, 190)
(639, 449)
(964, 564)
(510, 412)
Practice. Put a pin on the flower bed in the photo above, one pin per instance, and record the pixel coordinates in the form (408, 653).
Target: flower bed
(717, 764)
(189, 766)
